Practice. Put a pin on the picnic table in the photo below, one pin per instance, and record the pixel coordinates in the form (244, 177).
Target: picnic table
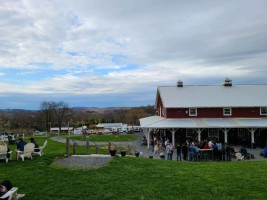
(206, 154)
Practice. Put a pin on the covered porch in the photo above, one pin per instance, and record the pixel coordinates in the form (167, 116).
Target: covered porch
(238, 131)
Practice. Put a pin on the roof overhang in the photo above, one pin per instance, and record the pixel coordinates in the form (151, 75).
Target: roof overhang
(161, 122)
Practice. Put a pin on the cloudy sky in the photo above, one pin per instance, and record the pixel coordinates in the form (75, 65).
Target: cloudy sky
(116, 53)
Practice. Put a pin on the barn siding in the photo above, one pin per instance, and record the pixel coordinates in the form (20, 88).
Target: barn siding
(213, 113)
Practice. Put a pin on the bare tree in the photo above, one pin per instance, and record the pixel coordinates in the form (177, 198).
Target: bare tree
(61, 111)
(48, 108)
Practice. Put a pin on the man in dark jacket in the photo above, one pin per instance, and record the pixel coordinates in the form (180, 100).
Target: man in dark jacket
(179, 149)
(21, 144)
(228, 150)
(185, 151)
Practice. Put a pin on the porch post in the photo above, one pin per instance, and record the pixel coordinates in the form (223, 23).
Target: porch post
(225, 137)
(199, 133)
(252, 131)
(225, 130)
(148, 137)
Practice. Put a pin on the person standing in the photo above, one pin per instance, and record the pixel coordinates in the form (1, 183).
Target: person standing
(165, 142)
(172, 148)
(191, 150)
(169, 151)
(179, 149)
(228, 151)
(156, 147)
(185, 151)
(152, 145)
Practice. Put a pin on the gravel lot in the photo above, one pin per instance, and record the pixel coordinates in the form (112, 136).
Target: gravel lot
(84, 161)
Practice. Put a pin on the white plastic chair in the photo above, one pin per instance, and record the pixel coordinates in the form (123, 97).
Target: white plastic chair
(239, 157)
(12, 194)
(3, 152)
(41, 149)
(28, 150)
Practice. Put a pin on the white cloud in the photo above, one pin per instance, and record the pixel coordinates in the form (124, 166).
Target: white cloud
(167, 40)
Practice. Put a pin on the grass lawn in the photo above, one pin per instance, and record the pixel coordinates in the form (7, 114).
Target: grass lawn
(107, 138)
(135, 178)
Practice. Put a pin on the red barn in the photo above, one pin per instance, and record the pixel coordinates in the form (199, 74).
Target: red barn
(231, 113)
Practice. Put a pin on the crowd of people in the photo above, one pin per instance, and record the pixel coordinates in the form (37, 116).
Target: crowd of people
(191, 150)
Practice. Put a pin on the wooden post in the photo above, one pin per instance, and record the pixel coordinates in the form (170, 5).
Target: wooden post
(96, 149)
(68, 145)
(87, 145)
(109, 144)
(128, 149)
(74, 148)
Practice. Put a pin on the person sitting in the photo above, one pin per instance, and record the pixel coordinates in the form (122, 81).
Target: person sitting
(8, 149)
(21, 144)
(5, 186)
(243, 151)
(35, 145)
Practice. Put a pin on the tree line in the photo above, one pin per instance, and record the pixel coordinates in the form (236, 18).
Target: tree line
(59, 114)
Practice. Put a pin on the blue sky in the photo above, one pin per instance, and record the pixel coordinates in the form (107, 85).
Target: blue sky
(116, 53)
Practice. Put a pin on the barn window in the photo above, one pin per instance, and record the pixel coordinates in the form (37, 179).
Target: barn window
(227, 111)
(213, 133)
(190, 133)
(192, 112)
(264, 111)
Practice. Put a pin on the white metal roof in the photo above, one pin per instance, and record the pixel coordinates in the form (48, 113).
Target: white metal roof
(203, 96)
(161, 122)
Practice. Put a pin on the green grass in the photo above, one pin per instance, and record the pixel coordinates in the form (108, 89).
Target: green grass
(135, 178)
(107, 138)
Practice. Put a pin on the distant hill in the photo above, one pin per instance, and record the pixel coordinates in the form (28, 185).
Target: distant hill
(17, 111)
(74, 109)
(92, 110)
(98, 110)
